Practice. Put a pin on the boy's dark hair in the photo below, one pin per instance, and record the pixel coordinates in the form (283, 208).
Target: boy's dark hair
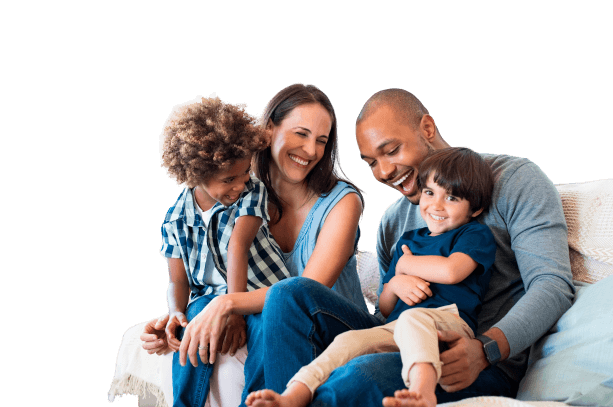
(463, 173)
(202, 139)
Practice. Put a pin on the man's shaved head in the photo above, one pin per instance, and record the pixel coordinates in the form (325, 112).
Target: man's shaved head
(404, 104)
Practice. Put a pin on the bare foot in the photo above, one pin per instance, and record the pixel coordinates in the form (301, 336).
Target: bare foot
(406, 398)
(264, 398)
(296, 395)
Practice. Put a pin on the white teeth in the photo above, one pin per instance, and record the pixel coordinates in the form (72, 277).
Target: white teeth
(437, 217)
(401, 180)
(298, 160)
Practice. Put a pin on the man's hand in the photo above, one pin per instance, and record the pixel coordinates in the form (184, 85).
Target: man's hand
(462, 362)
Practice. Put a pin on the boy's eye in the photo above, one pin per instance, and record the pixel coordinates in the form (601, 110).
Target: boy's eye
(452, 198)
(301, 134)
(229, 180)
(427, 192)
(371, 164)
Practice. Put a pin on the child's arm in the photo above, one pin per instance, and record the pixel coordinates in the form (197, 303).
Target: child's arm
(178, 296)
(243, 235)
(437, 269)
(410, 289)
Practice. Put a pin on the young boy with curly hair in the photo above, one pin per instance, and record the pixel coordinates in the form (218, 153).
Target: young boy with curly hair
(216, 235)
(436, 281)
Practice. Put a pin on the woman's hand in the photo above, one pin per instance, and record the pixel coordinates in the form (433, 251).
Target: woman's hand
(175, 320)
(410, 289)
(202, 334)
(154, 336)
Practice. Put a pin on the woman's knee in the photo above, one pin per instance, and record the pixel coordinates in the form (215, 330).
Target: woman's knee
(291, 290)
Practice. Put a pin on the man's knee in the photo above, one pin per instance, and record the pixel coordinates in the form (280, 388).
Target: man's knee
(364, 380)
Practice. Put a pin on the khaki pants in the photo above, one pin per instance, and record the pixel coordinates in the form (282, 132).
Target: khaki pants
(413, 334)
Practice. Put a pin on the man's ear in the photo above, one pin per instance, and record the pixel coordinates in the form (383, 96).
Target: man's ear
(477, 213)
(428, 126)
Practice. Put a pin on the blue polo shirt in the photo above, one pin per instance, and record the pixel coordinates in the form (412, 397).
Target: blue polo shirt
(473, 239)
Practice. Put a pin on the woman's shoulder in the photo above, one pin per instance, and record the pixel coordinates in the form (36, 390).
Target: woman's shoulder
(341, 190)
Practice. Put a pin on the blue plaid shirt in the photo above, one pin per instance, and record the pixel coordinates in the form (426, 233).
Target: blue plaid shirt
(184, 231)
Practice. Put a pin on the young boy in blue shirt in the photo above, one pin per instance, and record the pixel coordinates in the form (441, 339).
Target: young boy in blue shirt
(439, 273)
(216, 235)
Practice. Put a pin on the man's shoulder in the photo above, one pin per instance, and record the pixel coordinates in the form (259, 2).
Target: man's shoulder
(400, 217)
(399, 211)
(505, 164)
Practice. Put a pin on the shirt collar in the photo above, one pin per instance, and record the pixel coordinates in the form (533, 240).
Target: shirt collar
(185, 206)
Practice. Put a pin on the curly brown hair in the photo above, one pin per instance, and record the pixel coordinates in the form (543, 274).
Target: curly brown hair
(204, 138)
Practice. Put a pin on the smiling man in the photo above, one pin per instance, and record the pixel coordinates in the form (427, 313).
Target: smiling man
(531, 284)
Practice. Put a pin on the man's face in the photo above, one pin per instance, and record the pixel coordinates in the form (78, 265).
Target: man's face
(393, 149)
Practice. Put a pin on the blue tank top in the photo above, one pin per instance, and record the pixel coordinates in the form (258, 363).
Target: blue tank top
(348, 283)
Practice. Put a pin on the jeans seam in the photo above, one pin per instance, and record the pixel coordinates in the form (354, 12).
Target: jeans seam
(200, 390)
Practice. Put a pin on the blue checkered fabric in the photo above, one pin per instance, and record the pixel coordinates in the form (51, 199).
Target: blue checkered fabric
(184, 234)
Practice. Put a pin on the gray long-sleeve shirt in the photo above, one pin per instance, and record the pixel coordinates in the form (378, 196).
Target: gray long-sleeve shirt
(531, 284)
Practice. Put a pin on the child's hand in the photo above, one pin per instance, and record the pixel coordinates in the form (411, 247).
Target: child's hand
(410, 289)
(175, 320)
(234, 335)
(154, 336)
(403, 266)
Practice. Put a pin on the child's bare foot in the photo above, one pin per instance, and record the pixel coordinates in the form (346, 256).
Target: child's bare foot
(264, 398)
(406, 398)
(296, 395)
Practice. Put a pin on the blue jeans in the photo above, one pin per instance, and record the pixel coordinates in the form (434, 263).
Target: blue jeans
(300, 319)
(190, 385)
(370, 378)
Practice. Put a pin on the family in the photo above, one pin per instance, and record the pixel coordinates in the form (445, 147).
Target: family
(261, 244)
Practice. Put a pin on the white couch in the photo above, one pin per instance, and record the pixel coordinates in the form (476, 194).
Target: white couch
(572, 363)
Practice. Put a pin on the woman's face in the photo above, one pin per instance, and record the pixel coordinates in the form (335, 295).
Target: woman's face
(299, 142)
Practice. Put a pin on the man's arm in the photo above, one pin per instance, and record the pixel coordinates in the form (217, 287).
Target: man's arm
(530, 210)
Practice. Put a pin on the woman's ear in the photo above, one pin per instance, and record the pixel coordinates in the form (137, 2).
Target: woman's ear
(269, 124)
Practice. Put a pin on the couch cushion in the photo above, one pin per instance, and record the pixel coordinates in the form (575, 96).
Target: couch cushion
(588, 208)
(573, 363)
(368, 272)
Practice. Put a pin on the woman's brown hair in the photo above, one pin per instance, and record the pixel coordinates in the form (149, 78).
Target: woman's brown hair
(324, 176)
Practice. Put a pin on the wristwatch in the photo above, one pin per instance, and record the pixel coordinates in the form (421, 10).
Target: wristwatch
(490, 347)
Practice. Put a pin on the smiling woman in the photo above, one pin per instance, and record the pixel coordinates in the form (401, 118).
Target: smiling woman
(301, 137)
